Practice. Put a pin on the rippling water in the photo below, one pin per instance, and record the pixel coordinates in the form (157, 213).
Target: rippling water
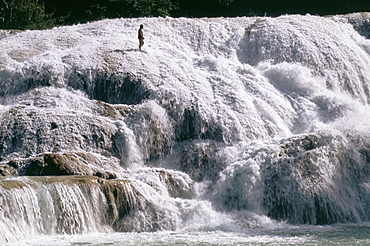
(290, 235)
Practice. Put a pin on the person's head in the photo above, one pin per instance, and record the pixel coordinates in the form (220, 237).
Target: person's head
(141, 26)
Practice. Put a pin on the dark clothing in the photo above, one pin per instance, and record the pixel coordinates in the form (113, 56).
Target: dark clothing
(140, 34)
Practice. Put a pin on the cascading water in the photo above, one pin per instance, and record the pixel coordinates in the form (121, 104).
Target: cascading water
(224, 124)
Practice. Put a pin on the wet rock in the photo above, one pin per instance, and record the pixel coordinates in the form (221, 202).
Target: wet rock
(105, 175)
(360, 22)
(114, 88)
(297, 146)
(50, 164)
(13, 164)
(6, 170)
(174, 185)
(54, 164)
(194, 126)
(201, 160)
(53, 126)
(301, 183)
(108, 110)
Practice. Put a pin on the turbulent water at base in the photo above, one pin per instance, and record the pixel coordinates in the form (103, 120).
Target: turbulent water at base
(223, 131)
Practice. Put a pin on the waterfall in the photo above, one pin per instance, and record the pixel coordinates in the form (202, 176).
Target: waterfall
(220, 124)
(133, 156)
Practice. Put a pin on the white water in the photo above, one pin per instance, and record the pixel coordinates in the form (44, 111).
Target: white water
(239, 125)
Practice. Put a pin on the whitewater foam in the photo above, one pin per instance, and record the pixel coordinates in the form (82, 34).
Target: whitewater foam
(228, 124)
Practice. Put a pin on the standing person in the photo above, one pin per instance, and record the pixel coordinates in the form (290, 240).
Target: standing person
(141, 37)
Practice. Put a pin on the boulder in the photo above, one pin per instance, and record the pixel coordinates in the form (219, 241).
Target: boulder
(56, 164)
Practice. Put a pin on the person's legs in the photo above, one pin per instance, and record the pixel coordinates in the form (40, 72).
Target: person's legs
(141, 43)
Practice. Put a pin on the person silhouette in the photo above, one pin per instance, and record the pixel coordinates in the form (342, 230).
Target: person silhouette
(141, 37)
